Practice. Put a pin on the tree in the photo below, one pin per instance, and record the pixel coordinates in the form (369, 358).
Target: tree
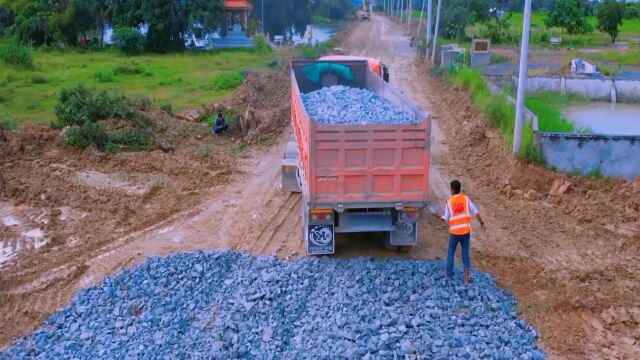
(568, 15)
(287, 17)
(610, 15)
(168, 21)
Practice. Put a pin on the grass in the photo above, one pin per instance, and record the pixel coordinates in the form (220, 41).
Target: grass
(497, 110)
(184, 79)
(548, 107)
(630, 57)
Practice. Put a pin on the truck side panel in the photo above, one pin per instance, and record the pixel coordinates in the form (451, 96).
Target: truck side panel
(301, 128)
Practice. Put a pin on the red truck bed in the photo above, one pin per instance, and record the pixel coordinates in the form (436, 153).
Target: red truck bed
(361, 165)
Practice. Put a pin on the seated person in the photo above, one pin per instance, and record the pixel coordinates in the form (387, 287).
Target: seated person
(220, 125)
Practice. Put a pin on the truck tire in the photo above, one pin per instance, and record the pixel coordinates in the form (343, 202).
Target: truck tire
(405, 249)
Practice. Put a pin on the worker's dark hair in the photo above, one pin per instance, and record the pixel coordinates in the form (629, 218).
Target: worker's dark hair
(220, 114)
(456, 186)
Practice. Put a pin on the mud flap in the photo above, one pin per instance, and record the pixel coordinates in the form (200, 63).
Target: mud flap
(320, 239)
(405, 234)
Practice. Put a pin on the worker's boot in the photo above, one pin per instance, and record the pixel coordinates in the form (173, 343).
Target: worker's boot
(467, 276)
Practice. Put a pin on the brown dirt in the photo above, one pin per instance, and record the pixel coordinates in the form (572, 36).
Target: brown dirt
(263, 103)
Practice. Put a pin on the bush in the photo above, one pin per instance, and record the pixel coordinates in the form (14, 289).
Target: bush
(128, 41)
(39, 79)
(168, 107)
(16, 55)
(227, 81)
(7, 123)
(83, 110)
(261, 45)
(499, 59)
(79, 105)
(103, 76)
(128, 70)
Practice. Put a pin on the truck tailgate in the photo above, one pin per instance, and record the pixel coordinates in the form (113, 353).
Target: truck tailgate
(374, 163)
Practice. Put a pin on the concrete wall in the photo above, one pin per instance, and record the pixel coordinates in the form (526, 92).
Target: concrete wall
(627, 91)
(615, 156)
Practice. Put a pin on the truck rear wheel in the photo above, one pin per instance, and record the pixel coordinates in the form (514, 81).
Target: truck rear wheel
(405, 249)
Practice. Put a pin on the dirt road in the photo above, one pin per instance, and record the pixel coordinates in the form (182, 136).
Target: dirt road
(568, 256)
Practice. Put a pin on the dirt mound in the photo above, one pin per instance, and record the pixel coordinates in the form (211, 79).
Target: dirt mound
(262, 102)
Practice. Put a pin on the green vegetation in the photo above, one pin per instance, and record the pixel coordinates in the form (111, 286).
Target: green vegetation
(498, 112)
(128, 41)
(81, 111)
(227, 81)
(548, 107)
(569, 16)
(629, 57)
(15, 55)
(312, 52)
(7, 123)
(610, 15)
(185, 79)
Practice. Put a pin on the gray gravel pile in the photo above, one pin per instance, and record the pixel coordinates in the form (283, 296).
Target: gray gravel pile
(231, 305)
(343, 105)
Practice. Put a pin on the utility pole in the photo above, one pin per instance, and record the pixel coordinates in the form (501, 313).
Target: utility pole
(420, 21)
(262, 16)
(435, 33)
(429, 26)
(401, 11)
(522, 78)
(410, 15)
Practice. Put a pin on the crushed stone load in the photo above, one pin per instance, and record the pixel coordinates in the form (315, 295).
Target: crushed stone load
(343, 105)
(226, 305)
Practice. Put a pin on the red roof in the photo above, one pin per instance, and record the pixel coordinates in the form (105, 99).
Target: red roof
(237, 4)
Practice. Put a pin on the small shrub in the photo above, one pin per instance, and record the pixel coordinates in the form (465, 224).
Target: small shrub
(261, 46)
(8, 123)
(39, 79)
(227, 81)
(3, 98)
(87, 134)
(168, 107)
(16, 55)
(79, 105)
(103, 76)
(141, 102)
(128, 41)
(128, 70)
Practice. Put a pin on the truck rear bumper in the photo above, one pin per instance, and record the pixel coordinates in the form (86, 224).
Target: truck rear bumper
(365, 222)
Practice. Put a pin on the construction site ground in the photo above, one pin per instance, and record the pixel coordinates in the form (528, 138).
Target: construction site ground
(566, 247)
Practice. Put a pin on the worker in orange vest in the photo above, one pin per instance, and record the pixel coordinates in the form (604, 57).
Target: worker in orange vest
(459, 212)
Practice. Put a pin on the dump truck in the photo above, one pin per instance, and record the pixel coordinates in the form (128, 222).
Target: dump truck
(369, 178)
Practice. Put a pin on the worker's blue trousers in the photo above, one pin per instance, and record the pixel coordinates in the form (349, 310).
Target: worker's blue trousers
(453, 244)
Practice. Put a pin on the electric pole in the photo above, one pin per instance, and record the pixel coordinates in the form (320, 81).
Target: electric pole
(420, 21)
(435, 33)
(522, 78)
(429, 26)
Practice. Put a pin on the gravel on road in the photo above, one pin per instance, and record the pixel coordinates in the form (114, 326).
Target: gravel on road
(225, 305)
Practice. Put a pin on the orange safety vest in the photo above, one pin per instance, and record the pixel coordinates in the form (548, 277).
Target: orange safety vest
(459, 215)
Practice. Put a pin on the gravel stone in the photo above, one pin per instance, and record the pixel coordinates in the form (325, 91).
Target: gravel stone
(312, 308)
(343, 105)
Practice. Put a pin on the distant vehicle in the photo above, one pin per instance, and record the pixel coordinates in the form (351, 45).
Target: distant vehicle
(357, 178)
(365, 13)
